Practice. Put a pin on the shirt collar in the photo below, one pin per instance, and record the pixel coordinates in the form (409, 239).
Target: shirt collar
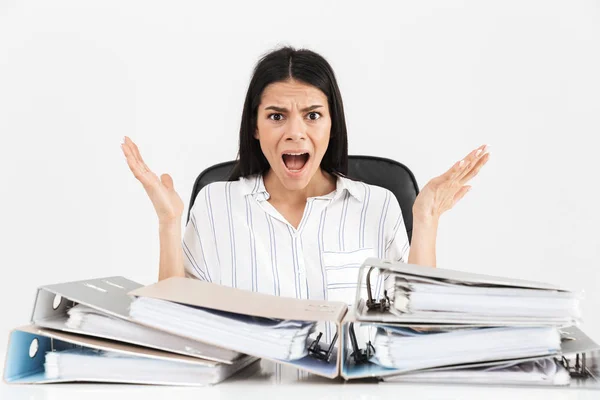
(351, 186)
(254, 185)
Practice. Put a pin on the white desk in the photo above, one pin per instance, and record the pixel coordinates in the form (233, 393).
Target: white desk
(268, 381)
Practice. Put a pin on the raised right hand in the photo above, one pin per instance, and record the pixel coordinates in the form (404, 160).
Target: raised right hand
(166, 201)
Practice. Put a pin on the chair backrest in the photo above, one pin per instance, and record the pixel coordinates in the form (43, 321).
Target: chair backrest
(378, 171)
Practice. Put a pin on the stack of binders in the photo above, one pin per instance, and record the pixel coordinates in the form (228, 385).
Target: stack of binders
(431, 325)
(436, 325)
(81, 331)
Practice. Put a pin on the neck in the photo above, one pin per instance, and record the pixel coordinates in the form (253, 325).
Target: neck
(320, 184)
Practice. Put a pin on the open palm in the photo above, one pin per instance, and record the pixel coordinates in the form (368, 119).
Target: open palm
(442, 192)
(166, 201)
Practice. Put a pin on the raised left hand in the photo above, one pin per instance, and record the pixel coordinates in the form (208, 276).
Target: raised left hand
(442, 192)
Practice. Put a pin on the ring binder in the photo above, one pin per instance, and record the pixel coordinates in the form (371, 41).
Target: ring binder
(578, 370)
(580, 355)
(315, 350)
(109, 309)
(53, 362)
(359, 356)
(383, 304)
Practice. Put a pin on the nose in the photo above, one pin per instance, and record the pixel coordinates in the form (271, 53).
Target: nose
(295, 129)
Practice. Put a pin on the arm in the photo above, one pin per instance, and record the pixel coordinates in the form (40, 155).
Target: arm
(168, 206)
(422, 248)
(171, 253)
(438, 196)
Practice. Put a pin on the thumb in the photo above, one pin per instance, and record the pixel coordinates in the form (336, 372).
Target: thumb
(167, 181)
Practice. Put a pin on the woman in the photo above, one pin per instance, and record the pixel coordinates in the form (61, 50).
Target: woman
(288, 222)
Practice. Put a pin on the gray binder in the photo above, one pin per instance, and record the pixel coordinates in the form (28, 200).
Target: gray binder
(109, 296)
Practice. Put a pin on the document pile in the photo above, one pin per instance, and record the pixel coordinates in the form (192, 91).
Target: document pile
(81, 331)
(265, 326)
(455, 297)
(408, 349)
(539, 372)
(431, 325)
(90, 321)
(267, 337)
(87, 364)
(435, 324)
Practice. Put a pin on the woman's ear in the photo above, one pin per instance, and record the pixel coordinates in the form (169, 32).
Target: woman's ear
(256, 134)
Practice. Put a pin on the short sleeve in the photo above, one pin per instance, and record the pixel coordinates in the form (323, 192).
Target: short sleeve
(397, 246)
(199, 257)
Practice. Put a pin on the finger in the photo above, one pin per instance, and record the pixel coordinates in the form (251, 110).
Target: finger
(140, 170)
(132, 162)
(454, 170)
(475, 170)
(136, 154)
(129, 156)
(134, 165)
(474, 159)
(127, 144)
(167, 181)
(460, 167)
(460, 194)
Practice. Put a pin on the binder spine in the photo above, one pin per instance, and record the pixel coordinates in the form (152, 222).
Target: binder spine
(48, 305)
(26, 355)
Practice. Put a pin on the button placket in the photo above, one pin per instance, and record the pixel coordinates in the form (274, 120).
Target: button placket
(301, 268)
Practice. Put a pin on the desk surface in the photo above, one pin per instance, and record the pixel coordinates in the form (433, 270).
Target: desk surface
(266, 380)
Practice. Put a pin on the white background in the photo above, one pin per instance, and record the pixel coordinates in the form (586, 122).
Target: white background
(422, 82)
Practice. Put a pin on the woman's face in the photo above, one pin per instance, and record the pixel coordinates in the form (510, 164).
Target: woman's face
(293, 127)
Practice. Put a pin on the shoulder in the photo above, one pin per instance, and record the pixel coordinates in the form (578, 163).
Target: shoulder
(368, 192)
(376, 199)
(217, 191)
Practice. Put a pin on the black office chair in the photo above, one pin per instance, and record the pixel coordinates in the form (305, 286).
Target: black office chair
(378, 171)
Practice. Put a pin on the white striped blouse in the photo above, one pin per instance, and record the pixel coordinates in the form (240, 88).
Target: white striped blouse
(235, 237)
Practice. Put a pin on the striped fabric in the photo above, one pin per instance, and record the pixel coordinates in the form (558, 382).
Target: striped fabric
(235, 237)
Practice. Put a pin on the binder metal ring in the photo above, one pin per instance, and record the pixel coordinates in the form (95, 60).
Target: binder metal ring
(383, 304)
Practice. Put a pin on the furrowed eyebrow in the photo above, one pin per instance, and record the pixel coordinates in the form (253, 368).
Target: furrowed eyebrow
(283, 109)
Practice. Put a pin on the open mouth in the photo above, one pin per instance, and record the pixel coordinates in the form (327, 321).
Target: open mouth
(295, 162)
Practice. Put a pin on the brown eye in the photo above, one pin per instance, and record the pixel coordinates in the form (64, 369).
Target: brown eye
(279, 117)
(315, 114)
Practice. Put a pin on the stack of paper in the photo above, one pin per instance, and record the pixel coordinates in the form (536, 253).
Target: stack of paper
(546, 371)
(267, 337)
(87, 320)
(85, 364)
(407, 349)
(504, 303)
